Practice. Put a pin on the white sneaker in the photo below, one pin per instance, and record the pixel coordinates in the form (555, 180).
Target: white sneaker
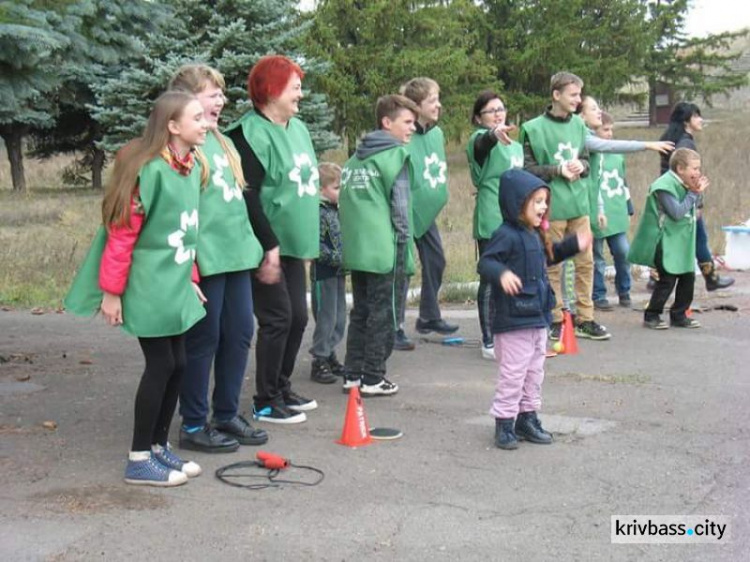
(488, 352)
(383, 388)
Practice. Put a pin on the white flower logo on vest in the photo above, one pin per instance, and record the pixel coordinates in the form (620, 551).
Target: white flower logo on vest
(221, 163)
(516, 161)
(432, 163)
(187, 220)
(304, 174)
(565, 152)
(612, 184)
(346, 175)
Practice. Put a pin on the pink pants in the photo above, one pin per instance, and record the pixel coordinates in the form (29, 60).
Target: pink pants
(520, 358)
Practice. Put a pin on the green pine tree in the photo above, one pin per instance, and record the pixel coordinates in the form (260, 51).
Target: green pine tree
(230, 35)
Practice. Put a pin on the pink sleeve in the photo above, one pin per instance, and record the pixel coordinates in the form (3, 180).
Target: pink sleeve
(118, 253)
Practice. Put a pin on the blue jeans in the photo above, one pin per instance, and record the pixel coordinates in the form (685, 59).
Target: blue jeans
(702, 251)
(618, 247)
(220, 339)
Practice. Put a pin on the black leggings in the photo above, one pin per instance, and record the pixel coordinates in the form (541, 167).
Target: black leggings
(156, 399)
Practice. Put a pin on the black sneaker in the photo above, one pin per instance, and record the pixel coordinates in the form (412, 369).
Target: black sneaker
(278, 413)
(603, 304)
(655, 324)
(401, 342)
(239, 428)
(298, 403)
(684, 323)
(529, 428)
(625, 301)
(321, 372)
(382, 388)
(440, 326)
(554, 331)
(336, 367)
(207, 440)
(592, 330)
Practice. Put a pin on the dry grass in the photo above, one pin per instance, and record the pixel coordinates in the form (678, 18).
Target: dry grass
(45, 233)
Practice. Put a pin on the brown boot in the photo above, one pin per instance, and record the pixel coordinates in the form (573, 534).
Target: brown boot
(714, 281)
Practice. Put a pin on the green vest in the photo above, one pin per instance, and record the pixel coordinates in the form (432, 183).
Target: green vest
(368, 238)
(159, 299)
(429, 184)
(677, 237)
(554, 143)
(290, 191)
(608, 179)
(226, 241)
(486, 178)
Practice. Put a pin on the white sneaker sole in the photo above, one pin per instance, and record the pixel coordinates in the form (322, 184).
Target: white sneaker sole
(376, 391)
(299, 418)
(311, 405)
(159, 483)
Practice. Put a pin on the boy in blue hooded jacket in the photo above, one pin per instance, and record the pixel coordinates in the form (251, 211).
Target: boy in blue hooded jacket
(515, 264)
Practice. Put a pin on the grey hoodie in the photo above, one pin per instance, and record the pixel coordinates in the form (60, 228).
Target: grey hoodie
(378, 141)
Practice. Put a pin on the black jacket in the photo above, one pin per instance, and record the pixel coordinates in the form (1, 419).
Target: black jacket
(515, 247)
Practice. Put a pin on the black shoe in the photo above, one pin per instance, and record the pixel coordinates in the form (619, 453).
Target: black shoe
(336, 367)
(625, 301)
(401, 342)
(440, 326)
(554, 331)
(207, 440)
(298, 403)
(505, 437)
(714, 281)
(321, 372)
(603, 304)
(592, 330)
(684, 323)
(529, 428)
(239, 428)
(655, 324)
(277, 413)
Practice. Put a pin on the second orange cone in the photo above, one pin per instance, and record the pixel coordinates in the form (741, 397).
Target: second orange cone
(356, 432)
(568, 335)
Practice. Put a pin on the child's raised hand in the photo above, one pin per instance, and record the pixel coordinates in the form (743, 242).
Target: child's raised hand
(703, 183)
(584, 240)
(201, 296)
(111, 308)
(601, 220)
(510, 282)
(664, 147)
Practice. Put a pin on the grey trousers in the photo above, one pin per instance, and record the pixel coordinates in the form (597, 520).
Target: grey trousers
(430, 248)
(329, 311)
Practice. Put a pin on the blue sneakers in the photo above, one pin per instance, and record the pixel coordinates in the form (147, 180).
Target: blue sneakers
(168, 458)
(150, 472)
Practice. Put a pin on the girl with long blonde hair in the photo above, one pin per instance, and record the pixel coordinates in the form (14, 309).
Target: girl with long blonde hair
(227, 250)
(139, 272)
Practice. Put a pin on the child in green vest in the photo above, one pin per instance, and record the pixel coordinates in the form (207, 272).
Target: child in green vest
(554, 147)
(138, 272)
(375, 212)
(227, 250)
(665, 239)
(490, 152)
(609, 201)
(618, 208)
(328, 282)
(429, 192)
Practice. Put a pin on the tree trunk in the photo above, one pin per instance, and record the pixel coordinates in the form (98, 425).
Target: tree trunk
(13, 134)
(651, 103)
(97, 166)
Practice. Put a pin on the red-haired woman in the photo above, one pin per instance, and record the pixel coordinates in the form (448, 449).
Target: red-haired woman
(281, 171)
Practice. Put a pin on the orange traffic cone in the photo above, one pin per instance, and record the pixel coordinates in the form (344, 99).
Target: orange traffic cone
(568, 335)
(356, 432)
